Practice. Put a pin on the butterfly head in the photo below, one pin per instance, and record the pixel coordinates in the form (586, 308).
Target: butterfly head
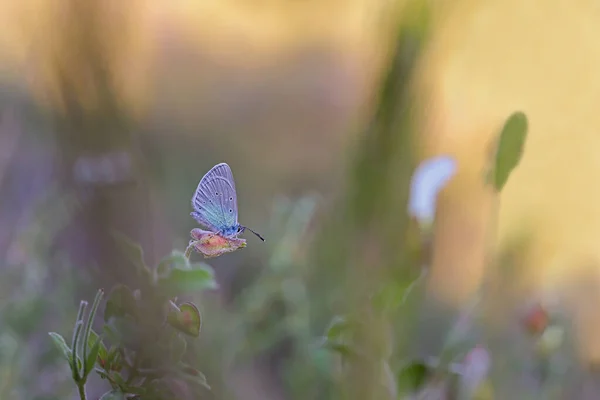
(231, 231)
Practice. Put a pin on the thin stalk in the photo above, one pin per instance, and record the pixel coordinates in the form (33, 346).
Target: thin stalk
(81, 389)
(88, 326)
(188, 250)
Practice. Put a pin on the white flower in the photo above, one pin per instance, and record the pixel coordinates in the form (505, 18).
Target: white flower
(475, 369)
(428, 179)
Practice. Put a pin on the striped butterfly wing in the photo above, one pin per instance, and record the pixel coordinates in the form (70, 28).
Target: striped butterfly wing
(215, 201)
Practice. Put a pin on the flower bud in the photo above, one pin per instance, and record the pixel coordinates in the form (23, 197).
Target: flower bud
(211, 244)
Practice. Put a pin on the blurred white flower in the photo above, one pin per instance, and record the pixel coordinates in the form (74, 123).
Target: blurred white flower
(475, 368)
(428, 179)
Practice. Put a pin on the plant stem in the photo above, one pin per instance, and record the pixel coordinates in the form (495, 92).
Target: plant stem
(81, 388)
(188, 250)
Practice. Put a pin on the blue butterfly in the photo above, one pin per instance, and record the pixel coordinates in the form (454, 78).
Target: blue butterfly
(215, 203)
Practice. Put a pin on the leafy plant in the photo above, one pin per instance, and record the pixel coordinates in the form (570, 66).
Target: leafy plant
(140, 350)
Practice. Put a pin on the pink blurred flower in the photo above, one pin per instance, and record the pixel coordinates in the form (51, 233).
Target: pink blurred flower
(536, 319)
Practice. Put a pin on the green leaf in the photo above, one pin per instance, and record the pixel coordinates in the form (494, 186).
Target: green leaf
(114, 360)
(510, 148)
(102, 352)
(118, 379)
(187, 320)
(175, 260)
(180, 282)
(61, 344)
(395, 294)
(133, 252)
(338, 327)
(113, 395)
(412, 377)
(75, 360)
(343, 349)
(87, 332)
(120, 303)
(338, 336)
(92, 356)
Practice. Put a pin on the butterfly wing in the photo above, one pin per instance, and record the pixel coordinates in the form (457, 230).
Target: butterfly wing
(215, 200)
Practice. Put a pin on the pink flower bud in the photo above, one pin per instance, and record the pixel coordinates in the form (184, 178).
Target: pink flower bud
(213, 245)
(536, 319)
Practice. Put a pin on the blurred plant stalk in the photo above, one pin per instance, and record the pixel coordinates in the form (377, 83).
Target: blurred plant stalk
(371, 225)
(77, 70)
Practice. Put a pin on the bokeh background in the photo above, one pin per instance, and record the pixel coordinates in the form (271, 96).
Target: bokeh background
(111, 111)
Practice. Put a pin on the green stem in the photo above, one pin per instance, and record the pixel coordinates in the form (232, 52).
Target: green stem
(188, 250)
(81, 387)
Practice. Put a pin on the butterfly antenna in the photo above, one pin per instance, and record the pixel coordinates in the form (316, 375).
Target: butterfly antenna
(256, 233)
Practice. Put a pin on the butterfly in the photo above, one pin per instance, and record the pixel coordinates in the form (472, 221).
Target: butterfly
(215, 203)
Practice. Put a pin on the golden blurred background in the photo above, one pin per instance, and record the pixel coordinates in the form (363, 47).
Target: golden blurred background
(283, 88)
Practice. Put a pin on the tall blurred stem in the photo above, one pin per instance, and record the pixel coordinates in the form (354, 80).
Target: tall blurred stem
(94, 132)
(370, 227)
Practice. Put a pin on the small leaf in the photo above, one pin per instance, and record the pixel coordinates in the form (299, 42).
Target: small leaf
(338, 336)
(133, 252)
(102, 352)
(92, 356)
(343, 349)
(113, 395)
(412, 377)
(61, 344)
(119, 380)
(120, 303)
(510, 148)
(87, 329)
(114, 360)
(180, 282)
(338, 327)
(175, 260)
(187, 320)
(75, 360)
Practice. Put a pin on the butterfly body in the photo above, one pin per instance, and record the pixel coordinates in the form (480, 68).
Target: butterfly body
(215, 203)
(226, 231)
